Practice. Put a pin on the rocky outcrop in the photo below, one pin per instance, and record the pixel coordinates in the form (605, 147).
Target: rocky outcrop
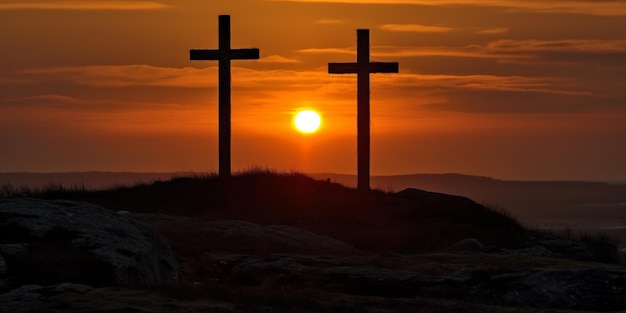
(552, 246)
(244, 237)
(53, 241)
(469, 245)
(601, 289)
(31, 295)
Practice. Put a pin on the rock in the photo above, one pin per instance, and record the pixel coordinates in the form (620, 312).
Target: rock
(53, 241)
(245, 236)
(552, 246)
(327, 273)
(469, 245)
(3, 273)
(586, 289)
(3, 267)
(26, 297)
(429, 197)
(604, 252)
(23, 294)
(599, 289)
(468, 216)
(68, 287)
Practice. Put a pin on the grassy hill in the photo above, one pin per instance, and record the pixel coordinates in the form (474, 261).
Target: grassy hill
(400, 251)
(373, 220)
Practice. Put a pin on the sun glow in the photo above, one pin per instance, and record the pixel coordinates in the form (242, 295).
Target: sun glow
(307, 121)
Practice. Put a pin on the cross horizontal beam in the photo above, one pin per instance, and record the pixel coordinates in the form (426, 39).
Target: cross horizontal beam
(233, 54)
(354, 68)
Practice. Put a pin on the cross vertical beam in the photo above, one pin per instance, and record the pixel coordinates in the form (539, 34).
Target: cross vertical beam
(224, 54)
(363, 67)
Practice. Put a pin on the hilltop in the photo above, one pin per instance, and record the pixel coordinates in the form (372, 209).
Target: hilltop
(408, 221)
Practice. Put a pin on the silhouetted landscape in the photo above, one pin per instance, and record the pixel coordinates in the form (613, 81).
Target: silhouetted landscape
(264, 241)
(522, 91)
(539, 203)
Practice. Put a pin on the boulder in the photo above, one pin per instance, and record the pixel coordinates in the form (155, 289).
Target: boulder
(552, 246)
(54, 241)
(469, 245)
(26, 297)
(246, 237)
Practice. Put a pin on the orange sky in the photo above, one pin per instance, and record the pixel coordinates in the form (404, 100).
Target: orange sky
(503, 88)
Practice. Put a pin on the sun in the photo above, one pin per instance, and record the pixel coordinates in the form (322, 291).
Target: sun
(307, 121)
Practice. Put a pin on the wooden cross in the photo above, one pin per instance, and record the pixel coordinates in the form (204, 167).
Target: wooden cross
(363, 67)
(224, 54)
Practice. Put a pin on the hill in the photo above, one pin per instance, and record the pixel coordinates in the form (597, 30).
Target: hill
(409, 221)
(553, 204)
(285, 242)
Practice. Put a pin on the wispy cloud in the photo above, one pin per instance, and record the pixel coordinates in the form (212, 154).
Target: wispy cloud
(7, 80)
(473, 51)
(549, 85)
(268, 92)
(330, 21)
(606, 7)
(278, 59)
(557, 51)
(58, 101)
(121, 76)
(415, 28)
(128, 75)
(143, 75)
(572, 45)
(492, 31)
(82, 5)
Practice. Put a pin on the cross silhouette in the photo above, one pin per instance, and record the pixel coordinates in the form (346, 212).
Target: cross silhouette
(363, 68)
(224, 54)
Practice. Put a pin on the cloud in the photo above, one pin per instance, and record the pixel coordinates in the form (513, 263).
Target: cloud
(187, 77)
(270, 92)
(547, 85)
(82, 5)
(415, 28)
(58, 101)
(605, 7)
(329, 50)
(473, 51)
(509, 50)
(277, 59)
(7, 81)
(492, 31)
(567, 45)
(122, 76)
(129, 75)
(330, 21)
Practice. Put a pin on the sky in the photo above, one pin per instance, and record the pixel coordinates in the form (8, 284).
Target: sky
(512, 89)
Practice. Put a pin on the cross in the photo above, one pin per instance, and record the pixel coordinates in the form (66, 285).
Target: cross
(224, 54)
(363, 68)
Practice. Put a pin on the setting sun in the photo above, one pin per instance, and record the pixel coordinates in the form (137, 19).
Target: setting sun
(307, 121)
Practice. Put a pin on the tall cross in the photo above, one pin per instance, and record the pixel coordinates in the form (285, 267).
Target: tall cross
(363, 67)
(224, 54)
